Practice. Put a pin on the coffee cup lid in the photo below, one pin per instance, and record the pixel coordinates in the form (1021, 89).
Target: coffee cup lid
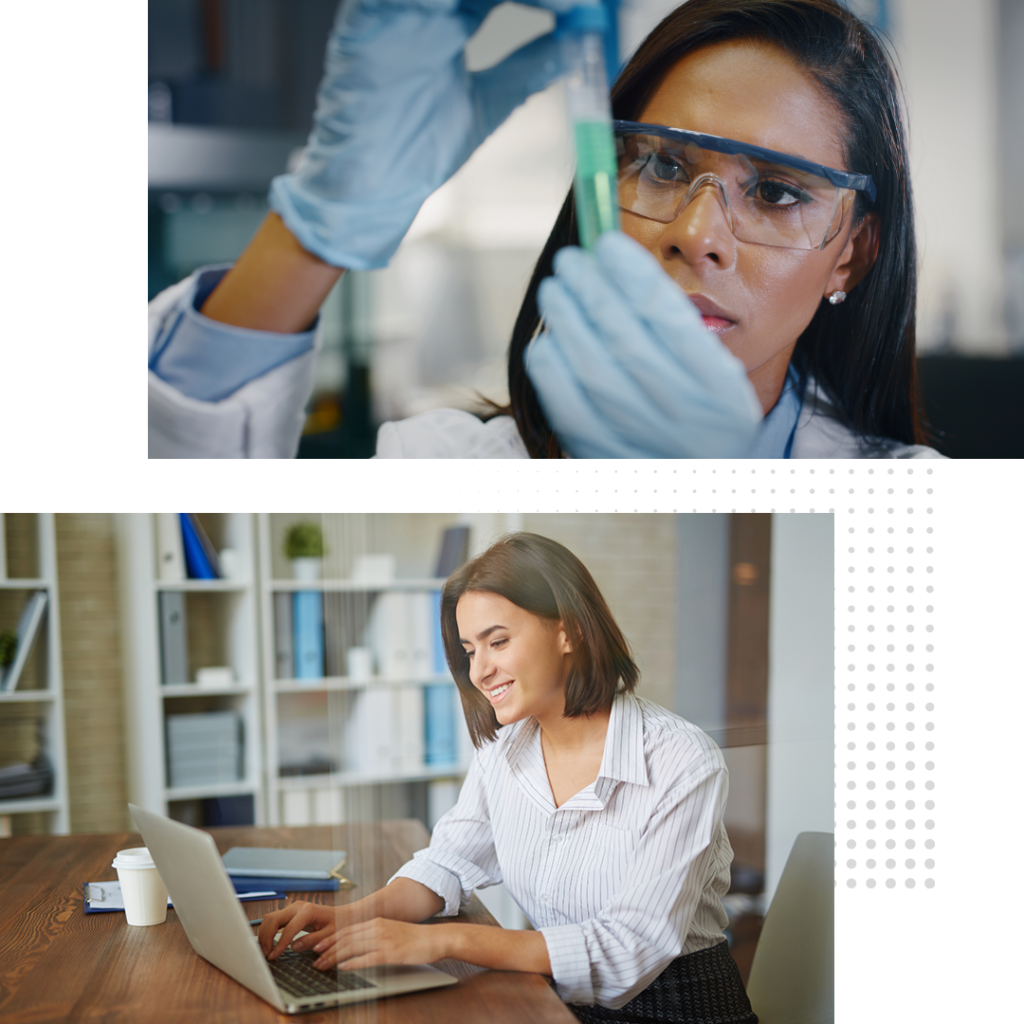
(138, 857)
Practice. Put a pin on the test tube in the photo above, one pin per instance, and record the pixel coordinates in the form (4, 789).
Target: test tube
(581, 32)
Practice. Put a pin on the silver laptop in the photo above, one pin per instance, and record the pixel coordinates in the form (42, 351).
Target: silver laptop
(216, 925)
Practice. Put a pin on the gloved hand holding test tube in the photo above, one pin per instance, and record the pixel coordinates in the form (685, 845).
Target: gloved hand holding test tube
(624, 367)
(397, 114)
(581, 32)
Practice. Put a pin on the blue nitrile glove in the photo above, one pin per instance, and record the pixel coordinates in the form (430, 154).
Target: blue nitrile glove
(625, 367)
(397, 115)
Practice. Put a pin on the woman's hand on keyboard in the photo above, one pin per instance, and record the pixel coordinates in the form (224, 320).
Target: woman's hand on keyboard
(320, 921)
(380, 941)
(402, 900)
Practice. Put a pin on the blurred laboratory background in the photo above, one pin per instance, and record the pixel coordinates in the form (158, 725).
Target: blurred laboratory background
(231, 93)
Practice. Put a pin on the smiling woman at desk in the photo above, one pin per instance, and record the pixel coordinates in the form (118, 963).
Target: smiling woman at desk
(601, 812)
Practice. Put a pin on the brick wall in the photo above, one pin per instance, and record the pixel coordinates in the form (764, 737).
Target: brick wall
(91, 647)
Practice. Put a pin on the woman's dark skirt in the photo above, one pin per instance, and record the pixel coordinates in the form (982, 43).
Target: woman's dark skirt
(700, 988)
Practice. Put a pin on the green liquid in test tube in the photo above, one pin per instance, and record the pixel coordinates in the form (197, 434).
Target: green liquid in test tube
(586, 92)
(596, 180)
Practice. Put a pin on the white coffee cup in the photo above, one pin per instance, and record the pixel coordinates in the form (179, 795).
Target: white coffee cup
(142, 888)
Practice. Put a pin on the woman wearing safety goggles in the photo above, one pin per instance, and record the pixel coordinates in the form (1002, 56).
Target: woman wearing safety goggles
(758, 302)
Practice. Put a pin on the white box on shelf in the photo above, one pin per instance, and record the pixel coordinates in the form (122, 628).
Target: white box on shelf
(216, 676)
(375, 570)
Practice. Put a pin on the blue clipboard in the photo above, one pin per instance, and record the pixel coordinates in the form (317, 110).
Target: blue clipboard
(105, 897)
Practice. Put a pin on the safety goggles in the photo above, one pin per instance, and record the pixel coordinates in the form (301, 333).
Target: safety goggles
(768, 198)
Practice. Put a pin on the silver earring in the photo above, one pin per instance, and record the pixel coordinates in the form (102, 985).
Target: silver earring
(836, 297)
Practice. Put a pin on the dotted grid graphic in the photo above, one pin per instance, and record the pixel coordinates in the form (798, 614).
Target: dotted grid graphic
(885, 685)
(885, 601)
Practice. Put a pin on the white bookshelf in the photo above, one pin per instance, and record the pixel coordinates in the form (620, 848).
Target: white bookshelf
(330, 796)
(48, 698)
(222, 625)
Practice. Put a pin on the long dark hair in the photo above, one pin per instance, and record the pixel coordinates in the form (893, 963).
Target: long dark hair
(861, 352)
(548, 580)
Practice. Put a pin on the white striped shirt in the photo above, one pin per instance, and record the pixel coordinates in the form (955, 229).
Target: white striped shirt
(622, 878)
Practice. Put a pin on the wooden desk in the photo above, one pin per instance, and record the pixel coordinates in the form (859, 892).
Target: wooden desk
(58, 963)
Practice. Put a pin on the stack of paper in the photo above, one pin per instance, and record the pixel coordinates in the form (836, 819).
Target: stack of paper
(23, 779)
(204, 749)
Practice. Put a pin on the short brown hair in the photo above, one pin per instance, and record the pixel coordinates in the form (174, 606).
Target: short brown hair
(541, 576)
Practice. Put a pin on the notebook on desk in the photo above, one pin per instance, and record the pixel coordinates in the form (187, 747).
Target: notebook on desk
(219, 931)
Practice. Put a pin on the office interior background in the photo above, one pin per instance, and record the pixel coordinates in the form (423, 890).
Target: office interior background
(231, 93)
(729, 616)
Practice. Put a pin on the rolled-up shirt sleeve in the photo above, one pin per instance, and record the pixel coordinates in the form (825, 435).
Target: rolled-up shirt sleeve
(613, 956)
(461, 856)
(208, 360)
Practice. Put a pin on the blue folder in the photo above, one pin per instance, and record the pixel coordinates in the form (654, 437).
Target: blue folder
(308, 633)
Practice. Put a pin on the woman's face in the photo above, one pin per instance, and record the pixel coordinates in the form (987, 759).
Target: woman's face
(518, 660)
(753, 92)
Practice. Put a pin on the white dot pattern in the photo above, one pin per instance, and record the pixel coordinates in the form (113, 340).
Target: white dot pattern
(888, 593)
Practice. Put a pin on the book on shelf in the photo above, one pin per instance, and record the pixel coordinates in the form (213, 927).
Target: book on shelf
(173, 638)
(384, 731)
(439, 700)
(408, 703)
(454, 550)
(308, 634)
(370, 732)
(170, 551)
(420, 610)
(200, 557)
(463, 741)
(184, 550)
(440, 660)
(284, 657)
(28, 627)
(389, 635)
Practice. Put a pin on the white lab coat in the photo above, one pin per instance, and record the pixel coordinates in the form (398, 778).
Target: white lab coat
(263, 419)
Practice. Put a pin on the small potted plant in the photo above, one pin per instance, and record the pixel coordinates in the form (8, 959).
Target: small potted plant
(304, 547)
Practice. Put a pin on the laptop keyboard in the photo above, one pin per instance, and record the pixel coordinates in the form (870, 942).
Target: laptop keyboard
(295, 973)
